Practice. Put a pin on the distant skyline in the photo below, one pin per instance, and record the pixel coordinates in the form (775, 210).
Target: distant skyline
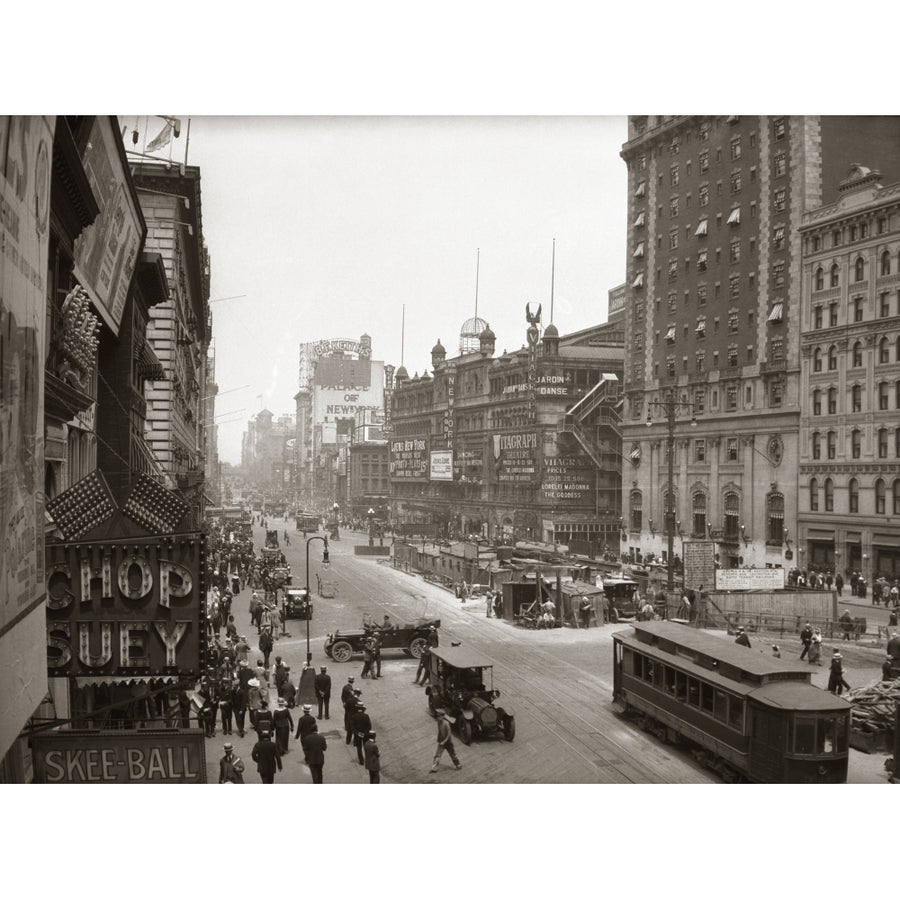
(330, 225)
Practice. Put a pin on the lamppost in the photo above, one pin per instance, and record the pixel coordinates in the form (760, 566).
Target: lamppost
(370, 515)
(325, 564)
(670, 406)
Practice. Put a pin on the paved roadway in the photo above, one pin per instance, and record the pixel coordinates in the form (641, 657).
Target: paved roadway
(558, 683)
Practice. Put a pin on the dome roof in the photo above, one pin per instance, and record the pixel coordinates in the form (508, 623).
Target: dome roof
(488, 335)
(438, 349)
(469, 335)
(551, 331)
(402, 374)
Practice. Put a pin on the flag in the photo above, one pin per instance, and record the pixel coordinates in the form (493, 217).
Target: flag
(161, 139)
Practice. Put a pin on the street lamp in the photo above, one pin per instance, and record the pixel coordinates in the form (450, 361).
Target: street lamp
(326, 564)
(370, 515)
(670, 406)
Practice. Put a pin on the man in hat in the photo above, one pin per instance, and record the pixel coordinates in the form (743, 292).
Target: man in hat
(742, 638)
(279, 676)
(231, 767)
(806, 635)
(323, 690)
(314, 746)
(836, 682)
(444, 740)
(267, 757)
(265, 721)
(305, 724)
(266, 644)
(846, 624)
(241, 650)
(360, 725)
(281, 715)
(349, 693)
(373, 758)
(289, 691)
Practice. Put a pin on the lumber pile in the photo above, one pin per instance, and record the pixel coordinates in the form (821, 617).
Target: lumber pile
(874, 706)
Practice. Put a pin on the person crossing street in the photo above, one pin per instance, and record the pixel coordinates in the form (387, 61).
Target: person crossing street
(445, 741)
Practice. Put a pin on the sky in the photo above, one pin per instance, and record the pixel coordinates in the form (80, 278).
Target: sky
(336, 226)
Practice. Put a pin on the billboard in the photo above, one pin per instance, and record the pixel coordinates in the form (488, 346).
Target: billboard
(409, 459)
(516, 456)
(116, 610)
(106, 251)
(441, 465)
(569, 478)
(120, 757)
(749, 579)
(699, 558)
(26, 150)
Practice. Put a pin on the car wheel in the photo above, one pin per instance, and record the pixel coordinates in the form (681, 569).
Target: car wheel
(465, 730)
(509, 728)
(432, 708)
(341, 651)
(416, 646)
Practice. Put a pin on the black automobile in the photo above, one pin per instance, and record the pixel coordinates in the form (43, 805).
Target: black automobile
(297, 604)
(462, 684)
(411, 638)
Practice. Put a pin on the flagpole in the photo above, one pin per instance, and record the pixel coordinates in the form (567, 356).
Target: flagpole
(477, 268)
(187, 140)
(552, 279)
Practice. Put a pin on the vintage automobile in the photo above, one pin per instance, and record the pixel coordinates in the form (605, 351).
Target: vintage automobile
(411, 638)
(271, 539)
(621, 593)
(297, 604)
(458, 686)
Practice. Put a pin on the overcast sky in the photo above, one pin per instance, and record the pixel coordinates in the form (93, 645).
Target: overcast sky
(330, 225)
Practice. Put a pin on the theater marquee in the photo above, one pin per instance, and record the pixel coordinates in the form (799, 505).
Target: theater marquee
(119, 610)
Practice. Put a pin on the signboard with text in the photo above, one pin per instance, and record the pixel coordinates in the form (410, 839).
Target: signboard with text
(568, 478)
(409, 459)
(749, 579)
(120, 757)
(441, 465)
(699, 558)
(515, 456)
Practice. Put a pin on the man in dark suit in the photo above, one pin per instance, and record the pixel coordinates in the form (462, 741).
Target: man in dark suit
(323, 690)
(360, 726)
(305, 724)
(314, 747)
(267, 757)
(348, 698)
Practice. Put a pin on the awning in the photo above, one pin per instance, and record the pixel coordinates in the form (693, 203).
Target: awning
(701, 259)
(639, 221)
(636, 453)
(701, 228)
(670, 334)
(87, 680)
(639, 191)
(639, 250)
(779, 233)
(638, 280)
(776, 314)
(701, 327)
(735, 217)
(148, 365)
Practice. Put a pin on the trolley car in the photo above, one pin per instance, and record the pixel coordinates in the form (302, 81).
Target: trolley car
(747, 715)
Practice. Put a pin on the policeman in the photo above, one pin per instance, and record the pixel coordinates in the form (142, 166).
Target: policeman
(361, 725)
(349, 694)
(323, 690)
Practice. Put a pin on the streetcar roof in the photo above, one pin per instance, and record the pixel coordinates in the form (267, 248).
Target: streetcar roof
(799, 696)
(462, 658)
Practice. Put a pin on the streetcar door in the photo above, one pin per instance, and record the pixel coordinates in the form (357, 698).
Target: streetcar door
(617, 669)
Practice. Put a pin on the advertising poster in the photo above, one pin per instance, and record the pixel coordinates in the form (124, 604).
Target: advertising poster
(515, 456)
(409, 459)
(749, 579)
(441, 465)
(106, 251)
(569, 478)
(26, 151)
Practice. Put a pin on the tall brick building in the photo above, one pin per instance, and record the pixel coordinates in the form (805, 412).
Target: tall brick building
(714, 266)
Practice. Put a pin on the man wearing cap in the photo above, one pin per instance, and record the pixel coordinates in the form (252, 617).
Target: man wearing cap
(348, 698)
(283, 724)
(373, 759)
(742, 638)
(444, 741)
(360, 725)
(323, 690)
(231, 767)
(267, 757)
(314, 746)
(305, 724)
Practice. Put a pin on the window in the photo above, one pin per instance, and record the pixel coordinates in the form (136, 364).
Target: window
(638, 280)
(859, 270)
(700, 329)
(641, 189)
(817, 317)
(701, 295)
(699, 450)
(735, 250)
(896, 497)
(731, 393)
(734, 286)
(732, 356)
(832, 315)
(831, 444)
(700, 361)
(857, 309)
(673, 207)
(734, 217)
(673, 239)
(673, 175)
(776, 348)
(780, 164)
(735, 182)
(732, 508)
(701, 260)
(703, 132)
(820, 279)
(732, 323)
(703, 195)
(778, 129)
(836, 238)
(817, 360)
(672, 301)
(731, 450)
(817, 402)
(779, 200)
(736, 148)
(778, 238)
(884, 351)
(670, 366)
(884, 308)
(639, 250)
(777, 313)
(832, 358)
(778, 273)
(673, 269)
(813, 495)
(829, 495)
(886, 263)
(856, 398)
(832, 401)
(639, 221)
(776, 393)
(879, 497)
(855, 445)
(835, 275)
(816, 445)
(636, 499)
(702, 228)
(883, 395)
(856, 360)
(775, 518)
(882, 443)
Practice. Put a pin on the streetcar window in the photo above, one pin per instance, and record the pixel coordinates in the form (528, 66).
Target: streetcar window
(669, 676)
(804, 735)
(721, 706)
(680, 686)
(735, 712)
(706, 697)
(693, 695)
(825, 735)
(842, 732)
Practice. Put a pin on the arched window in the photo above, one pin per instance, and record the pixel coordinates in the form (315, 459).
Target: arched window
(859, 269)
(817, 359)
(774, 518)
(829, 495)
(820, 279)
(879, 497)
(886, 263)
(813, 495)
(732, 514)
(698, 503)
(853, 494)
(832, 358)
(835, 275)
(856, 361)
(884, 350)
(637, 504)
(896, 496)
(855, 443)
